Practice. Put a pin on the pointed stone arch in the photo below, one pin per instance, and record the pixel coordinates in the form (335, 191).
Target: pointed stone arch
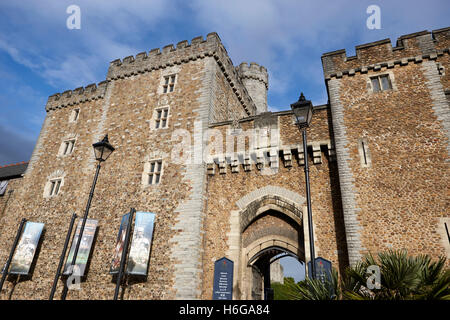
(270, 197)
(248, 244)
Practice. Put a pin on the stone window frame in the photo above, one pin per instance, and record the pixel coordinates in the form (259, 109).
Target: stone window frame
(169, 82)
(66, 144)
(155, 119)
(365, 156)
(52, 182)
(167, 72)
(150, 170)
(442, 232)
(389, 73)
(381, 85)
(74, 115)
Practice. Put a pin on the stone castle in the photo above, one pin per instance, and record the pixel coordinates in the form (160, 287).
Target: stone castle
(379, 154)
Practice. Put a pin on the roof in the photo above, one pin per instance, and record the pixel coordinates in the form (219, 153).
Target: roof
(11, 171)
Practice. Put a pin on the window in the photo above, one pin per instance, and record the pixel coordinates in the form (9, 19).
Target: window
(54, 187)
(381, 83)
(3, 185)
(68, 147)
(74, 115)
(364, 153)
(161, 118)
(154, 175)
(169, 83)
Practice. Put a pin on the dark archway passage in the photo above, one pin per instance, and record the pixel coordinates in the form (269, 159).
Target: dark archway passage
(270, 236)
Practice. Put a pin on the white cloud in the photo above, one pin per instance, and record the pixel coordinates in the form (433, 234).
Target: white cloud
(78, 57)
(286, 36)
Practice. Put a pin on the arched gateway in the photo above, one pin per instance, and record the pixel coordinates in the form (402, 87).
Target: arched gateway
(270, 226)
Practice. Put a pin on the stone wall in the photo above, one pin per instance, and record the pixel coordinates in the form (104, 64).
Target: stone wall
(397, 200)
(276, 272)
(13, 184)
(123, 107)
(225, 191)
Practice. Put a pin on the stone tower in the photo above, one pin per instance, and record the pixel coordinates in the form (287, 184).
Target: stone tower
(391, 125)
(379, 152)
(256, 80)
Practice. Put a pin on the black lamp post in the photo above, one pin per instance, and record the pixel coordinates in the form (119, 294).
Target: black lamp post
(102, 151)
(303, 110)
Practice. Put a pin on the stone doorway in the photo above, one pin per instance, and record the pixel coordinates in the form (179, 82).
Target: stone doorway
(260, 264)
(275, 230)
(269, 222)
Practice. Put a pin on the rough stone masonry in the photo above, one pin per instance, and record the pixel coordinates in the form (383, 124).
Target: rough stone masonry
(379, 153)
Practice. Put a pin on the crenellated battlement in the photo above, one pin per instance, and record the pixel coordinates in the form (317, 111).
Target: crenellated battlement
(415, 46)
(184, 52)
(253, 71)
(78, 95)
(169, 55)
(157, 58)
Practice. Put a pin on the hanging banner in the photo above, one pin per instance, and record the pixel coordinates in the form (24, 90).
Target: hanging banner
(118, 249)
(24, 255)
(141, 243)
(85, 246)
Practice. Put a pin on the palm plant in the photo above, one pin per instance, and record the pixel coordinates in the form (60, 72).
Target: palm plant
(401, 278)
(314, 289)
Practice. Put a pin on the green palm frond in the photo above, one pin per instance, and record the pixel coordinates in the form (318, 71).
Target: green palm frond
(315, 289)
(402, 277)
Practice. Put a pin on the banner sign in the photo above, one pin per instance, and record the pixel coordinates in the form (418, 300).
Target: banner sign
(24, 255)
(85, 246)
(323, 269)
(140, 244)
(223, 279)
(115, 264)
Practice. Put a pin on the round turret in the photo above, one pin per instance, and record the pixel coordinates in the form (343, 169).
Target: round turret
(256, 80)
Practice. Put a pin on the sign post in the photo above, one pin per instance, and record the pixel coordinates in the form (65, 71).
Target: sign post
(124, 253)
(8, 262)
(63, 254)
(223, 279)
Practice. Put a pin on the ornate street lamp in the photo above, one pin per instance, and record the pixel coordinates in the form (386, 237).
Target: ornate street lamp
(102, 151)
(303, 110)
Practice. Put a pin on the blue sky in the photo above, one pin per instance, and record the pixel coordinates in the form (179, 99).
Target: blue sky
(40, 56)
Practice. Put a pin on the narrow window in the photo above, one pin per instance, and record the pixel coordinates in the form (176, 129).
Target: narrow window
(375, 84)
(169, 83)
(385, 83)
(364, 154)
(154, 176)
(54, 187)
(161, 118)
(381, 83)
(68, 147)
(446, 229)
(76, 112)
(3, 185)
(363, 147)
(74, 115)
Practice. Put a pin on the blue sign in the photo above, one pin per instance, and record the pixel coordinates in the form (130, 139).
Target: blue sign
(323, 269)
(223, 279)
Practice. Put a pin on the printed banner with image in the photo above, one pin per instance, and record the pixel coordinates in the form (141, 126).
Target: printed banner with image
(24, 254)
(118, 249)
(141, 243)
(85, 246)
